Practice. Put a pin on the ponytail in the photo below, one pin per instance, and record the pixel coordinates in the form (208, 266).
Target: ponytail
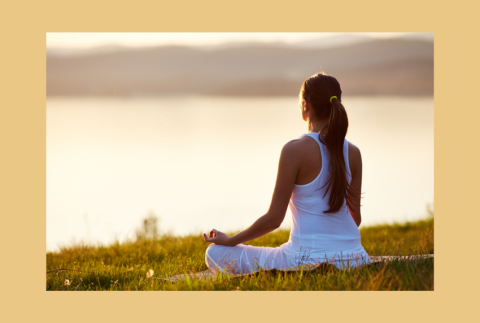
(324, 95)
(334, 140)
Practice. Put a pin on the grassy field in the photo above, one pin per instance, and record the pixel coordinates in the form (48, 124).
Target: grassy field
(125, 266)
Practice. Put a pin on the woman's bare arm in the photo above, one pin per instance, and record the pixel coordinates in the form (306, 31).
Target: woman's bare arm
(288, 167)
(355, 160)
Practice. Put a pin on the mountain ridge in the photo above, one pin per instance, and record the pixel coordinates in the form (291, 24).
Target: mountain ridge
(383, 67)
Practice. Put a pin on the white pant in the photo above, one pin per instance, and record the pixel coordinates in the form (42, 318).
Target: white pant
(247, 259)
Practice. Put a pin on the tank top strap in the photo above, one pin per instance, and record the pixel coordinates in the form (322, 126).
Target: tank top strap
(326, 155)
(347, 164)
(323, 148)
(314, 135)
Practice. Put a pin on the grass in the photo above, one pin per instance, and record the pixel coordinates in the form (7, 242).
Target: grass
(125, 266)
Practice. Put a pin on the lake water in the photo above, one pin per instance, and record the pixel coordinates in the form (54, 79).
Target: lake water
(200, 163)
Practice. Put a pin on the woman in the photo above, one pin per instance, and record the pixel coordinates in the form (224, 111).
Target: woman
(319, 177)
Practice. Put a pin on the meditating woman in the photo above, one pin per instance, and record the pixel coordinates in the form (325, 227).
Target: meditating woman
(319, 177)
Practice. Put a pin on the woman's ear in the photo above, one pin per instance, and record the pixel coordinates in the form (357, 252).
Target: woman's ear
(306, 109)
(306, 106)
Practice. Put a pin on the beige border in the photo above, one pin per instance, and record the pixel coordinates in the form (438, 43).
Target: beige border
(24, 25)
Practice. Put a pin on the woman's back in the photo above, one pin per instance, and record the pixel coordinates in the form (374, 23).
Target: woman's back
(313, 231)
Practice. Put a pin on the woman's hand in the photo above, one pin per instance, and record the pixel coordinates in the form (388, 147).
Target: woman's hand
(288, 167)
(217, 237)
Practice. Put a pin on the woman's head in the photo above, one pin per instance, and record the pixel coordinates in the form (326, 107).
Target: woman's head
(324, 96)
(318, 91)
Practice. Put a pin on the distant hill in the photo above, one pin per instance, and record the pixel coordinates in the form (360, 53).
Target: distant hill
(374, 67)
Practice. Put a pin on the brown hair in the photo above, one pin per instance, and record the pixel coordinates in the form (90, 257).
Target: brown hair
(318, 90)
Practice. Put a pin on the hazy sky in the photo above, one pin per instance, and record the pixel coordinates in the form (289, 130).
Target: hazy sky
(86, 40)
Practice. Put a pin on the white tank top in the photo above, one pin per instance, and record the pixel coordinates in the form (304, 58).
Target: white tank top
(314, 232)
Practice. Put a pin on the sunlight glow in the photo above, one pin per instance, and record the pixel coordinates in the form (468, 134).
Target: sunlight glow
(87, 40)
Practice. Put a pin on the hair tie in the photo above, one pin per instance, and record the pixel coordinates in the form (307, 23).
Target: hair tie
(332, 98)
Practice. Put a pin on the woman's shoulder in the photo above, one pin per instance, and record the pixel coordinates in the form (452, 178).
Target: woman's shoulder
(301, 144)
(354, 157)
(353, 150)
(299, 150)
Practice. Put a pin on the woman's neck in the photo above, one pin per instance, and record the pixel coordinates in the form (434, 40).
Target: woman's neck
(317, 126)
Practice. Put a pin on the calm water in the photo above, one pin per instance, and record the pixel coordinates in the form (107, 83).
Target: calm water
(203, 162)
